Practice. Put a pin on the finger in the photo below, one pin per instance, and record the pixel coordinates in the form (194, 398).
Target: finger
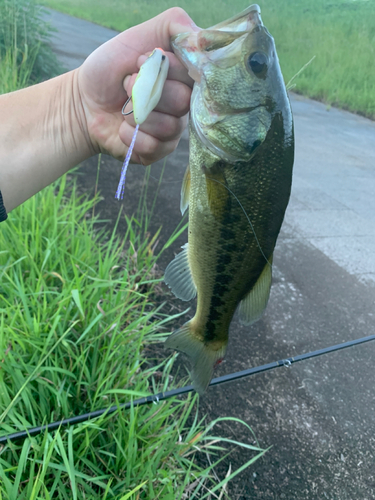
(164, 127)
(159, 30)
(148, 155)
(147, 148)
(107, 66)
(177, 71)
(175, 98)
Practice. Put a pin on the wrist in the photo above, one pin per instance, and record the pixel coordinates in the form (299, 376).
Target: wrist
(75, 127)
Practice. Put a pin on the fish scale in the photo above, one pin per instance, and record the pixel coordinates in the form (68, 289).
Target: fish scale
(237, 185)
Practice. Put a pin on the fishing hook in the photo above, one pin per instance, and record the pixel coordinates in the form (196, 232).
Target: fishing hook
(124, 106)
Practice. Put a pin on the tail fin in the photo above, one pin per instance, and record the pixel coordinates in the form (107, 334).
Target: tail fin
(202, 356)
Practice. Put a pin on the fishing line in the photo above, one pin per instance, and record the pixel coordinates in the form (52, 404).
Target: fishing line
(121, 185)
(247, 217)
(161, 396)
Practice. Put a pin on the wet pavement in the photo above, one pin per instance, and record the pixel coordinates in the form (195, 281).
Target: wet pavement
(319, 415)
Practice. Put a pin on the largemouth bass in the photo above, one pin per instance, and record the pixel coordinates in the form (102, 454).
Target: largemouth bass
(237, 184)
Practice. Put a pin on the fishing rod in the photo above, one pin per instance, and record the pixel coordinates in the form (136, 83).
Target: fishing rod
(161, 396)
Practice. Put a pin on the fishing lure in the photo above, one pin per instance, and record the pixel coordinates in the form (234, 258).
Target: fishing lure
(145, 96)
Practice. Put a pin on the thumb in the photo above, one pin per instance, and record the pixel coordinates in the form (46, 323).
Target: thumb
(157, 32)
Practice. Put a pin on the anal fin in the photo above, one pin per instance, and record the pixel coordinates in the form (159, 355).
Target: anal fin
(252, 306)
(179, 278)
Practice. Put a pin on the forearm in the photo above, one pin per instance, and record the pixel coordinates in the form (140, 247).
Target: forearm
(43, 135)
(47, 129)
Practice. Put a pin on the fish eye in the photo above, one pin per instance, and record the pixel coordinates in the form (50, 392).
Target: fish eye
(257, 62)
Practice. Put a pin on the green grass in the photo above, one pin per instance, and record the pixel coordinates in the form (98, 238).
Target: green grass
(15, 74)
(79, 311)
(77, 315)
(25, 54)
(340, 33)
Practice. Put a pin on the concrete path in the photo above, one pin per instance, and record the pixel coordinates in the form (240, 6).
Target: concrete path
(319, 415)
(333, 196)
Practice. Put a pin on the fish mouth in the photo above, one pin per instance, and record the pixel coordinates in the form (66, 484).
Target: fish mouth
(193, 49)
(219, 45)
(254, 17)
(245, 21)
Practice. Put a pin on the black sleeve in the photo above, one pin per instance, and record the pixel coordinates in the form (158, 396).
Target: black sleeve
(3, 212)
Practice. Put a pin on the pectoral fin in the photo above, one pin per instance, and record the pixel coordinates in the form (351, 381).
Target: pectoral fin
(185, 191)
(252, 306)
(179, 278)
(217, 192)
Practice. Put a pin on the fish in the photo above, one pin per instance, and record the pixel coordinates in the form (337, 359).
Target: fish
(237, 184)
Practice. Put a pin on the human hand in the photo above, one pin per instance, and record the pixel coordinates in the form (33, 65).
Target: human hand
(106, 78)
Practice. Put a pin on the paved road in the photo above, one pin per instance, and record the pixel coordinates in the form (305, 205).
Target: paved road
(319, 415)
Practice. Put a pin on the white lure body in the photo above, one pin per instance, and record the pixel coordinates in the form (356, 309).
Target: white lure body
(149, 85)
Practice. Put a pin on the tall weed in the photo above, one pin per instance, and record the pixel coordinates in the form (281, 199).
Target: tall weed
(25, 53)
(77, 316)
(77, 313)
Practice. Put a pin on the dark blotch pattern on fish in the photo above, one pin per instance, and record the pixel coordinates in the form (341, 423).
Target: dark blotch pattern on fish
(223, 260)
(223, 278)
(233, 218)
(229, 247)
(228, 234)
(220, 289)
